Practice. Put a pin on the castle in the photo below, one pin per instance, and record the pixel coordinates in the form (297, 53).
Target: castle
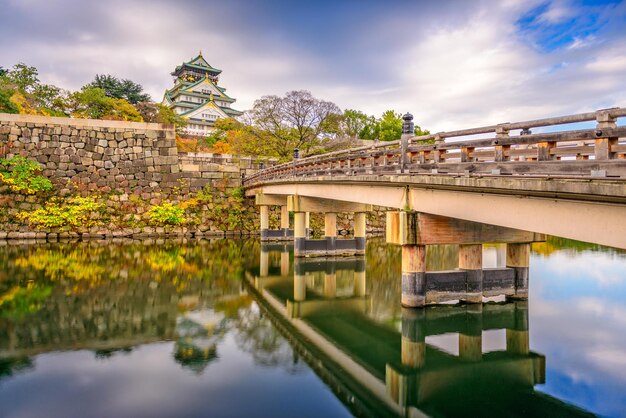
(197, 96)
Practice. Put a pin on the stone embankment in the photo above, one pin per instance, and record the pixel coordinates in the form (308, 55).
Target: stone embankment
(130, 168)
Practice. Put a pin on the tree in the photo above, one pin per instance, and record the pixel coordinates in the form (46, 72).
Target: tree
(23, 76)
(49, 99)
(390, 126)
(250, 140)
(95, 104)
(297, 120)
(119, 88)
(3, 71)
(6, 105)
(354, 122)
(157, 113)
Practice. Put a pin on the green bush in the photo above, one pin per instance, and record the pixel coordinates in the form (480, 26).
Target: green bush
(167, 214)
(71, 213)
(21, 175)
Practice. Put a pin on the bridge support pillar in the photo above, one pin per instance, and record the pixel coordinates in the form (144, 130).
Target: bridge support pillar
(299, 234)
(264, 201)
(307, 224)
(471, 261)
(265, 222)
(413, 275)
(284, 220)
(330, 231)
(518, 258)
(359, 232)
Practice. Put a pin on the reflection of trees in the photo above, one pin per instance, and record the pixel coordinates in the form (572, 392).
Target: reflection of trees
(556, 244)
(11, 366)
(21, 301)
(110, 352)
(258, 337)
(71, 295)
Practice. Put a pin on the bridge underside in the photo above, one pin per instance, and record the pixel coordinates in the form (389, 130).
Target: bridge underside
(585, 210)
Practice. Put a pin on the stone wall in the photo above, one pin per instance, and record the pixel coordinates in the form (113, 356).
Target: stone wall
(85, 154)
(131, 167)
(128, 166)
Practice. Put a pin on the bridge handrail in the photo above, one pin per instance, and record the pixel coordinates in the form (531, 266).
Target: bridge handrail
(539, 146)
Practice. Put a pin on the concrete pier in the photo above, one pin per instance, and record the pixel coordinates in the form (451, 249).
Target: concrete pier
(284, 233)
(299, 234)
(416, 232)
(330, 231)
(518, 259)
(471, 261)
(413, 275)
(330, 245)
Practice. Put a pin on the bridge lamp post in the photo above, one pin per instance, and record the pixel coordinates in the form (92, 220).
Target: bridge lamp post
(408, 130)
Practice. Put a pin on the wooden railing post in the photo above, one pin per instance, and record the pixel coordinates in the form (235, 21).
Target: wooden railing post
(543, 151)
(603, 147)
(438, 153)
(465, 154)
(502, 131)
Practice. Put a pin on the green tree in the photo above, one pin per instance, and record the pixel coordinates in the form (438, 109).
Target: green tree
(119, 88)
(354, 122)
(157, 113)
(49, 99)
(93, 103)
(6, 105)
(390, 126)
(24, 77)
(3, 71)
(27, 95)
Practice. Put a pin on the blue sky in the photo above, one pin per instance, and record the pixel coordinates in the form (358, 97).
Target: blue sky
(453, 63)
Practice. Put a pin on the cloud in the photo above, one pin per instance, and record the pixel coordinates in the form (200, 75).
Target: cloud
(454, 64)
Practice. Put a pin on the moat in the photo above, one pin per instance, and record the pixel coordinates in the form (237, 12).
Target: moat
(162, 328)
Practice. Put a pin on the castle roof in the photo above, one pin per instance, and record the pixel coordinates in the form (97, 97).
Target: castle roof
(197, 63)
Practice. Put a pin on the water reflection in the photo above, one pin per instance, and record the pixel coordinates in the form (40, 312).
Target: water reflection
(233, 328)
(399, 368)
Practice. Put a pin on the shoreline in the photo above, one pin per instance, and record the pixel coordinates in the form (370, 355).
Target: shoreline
(40, 237)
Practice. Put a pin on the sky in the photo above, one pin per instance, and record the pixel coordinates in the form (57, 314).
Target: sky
(452, 63)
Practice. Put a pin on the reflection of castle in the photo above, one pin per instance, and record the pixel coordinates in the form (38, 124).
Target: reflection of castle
(381, 370)
(198, 334)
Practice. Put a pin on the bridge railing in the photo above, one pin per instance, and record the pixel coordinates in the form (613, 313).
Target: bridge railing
(598, 152)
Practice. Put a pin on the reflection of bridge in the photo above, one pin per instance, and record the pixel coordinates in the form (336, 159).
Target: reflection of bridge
(568, 183)
(380, 371)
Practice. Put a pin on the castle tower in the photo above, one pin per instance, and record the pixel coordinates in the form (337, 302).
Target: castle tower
(197, 96)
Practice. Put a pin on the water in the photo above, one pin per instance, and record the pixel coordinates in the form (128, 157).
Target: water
(187, 330)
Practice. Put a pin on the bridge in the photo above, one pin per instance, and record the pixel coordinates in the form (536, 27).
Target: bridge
(453, 187)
